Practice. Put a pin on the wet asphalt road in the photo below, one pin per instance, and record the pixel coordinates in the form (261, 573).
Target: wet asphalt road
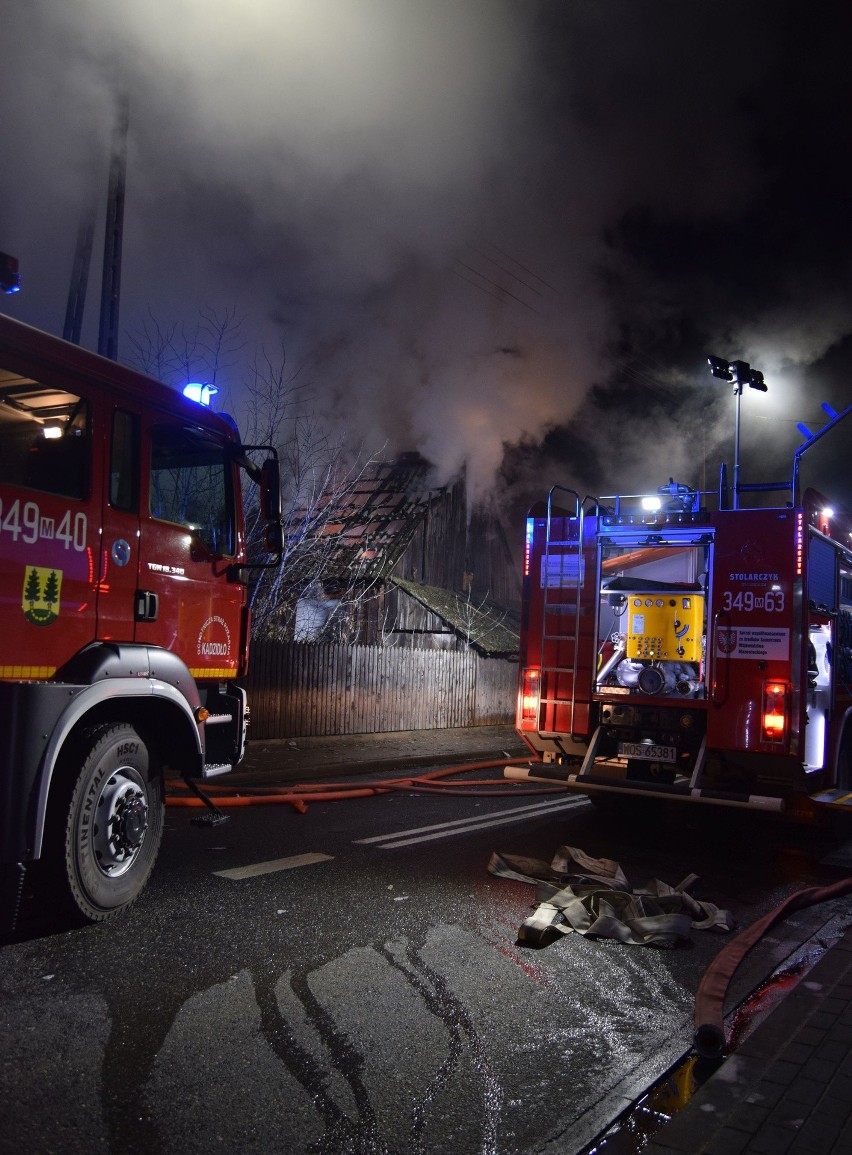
(374, 1000)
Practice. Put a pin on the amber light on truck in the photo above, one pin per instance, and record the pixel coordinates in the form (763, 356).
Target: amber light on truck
(530, 696)
(775, 696)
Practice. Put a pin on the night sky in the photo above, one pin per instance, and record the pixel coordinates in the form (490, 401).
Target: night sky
(506, 233)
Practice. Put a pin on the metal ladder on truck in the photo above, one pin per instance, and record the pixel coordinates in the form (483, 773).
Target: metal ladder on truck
(565, 703)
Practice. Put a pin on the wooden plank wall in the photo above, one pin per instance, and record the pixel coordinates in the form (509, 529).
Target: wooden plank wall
(296, 690)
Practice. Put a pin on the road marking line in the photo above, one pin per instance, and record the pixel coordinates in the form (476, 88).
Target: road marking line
(467, 825)
(480, 826)
(533, 806)
(273, 865)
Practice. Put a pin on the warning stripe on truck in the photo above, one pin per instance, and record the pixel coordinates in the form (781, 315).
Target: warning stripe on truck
(39, 673)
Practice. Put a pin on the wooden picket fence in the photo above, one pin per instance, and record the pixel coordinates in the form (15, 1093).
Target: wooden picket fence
(296, 690)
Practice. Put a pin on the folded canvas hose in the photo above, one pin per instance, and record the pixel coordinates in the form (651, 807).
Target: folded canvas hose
(709, 1001)
(579, 894)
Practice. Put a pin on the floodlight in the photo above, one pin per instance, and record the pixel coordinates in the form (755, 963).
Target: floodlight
(742, 374)
(719, 368)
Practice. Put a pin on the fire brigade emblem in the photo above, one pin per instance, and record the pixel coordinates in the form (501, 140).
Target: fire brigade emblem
(726, 641)
(214, 639)
(40, 595)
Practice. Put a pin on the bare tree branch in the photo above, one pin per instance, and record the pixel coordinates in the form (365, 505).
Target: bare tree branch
(318, 471)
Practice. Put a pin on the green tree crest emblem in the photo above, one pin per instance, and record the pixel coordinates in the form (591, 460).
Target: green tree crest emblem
(41, 594)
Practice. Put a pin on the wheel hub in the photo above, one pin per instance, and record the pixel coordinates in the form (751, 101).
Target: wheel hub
(130, 822)
(121, 822)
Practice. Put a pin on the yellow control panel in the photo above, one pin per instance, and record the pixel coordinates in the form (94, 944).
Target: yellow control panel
(664, 626)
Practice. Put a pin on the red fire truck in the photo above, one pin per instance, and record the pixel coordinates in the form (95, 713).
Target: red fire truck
(698, 654)
(124, 612)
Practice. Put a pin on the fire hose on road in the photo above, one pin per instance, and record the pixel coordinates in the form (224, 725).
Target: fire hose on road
(299, 795)
(709, 1000)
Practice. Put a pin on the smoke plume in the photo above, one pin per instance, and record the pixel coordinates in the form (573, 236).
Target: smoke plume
(502, 233)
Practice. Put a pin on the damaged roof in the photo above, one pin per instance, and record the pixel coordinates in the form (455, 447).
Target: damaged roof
(365, 528)
(491, 629)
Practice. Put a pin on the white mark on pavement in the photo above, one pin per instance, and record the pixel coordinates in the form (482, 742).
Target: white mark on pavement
(275, 864)
(478, 822)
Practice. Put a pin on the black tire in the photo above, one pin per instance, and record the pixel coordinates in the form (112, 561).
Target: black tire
(107, 825)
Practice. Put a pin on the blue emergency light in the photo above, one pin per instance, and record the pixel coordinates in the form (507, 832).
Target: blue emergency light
(10, 278)
(200, 392)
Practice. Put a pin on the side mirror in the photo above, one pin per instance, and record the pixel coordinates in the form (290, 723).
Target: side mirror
(273, 537)
(270, 505)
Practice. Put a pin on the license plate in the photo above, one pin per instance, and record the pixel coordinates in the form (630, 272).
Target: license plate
(646, 753)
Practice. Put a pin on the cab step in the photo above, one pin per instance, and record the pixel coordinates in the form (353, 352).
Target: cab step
(835, 799)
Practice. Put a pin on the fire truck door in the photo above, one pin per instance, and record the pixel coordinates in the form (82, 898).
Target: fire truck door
(751, 631)
(184, 601)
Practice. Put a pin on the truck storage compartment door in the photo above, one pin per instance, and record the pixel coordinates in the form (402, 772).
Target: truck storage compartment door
(49, 521)
(753, 704)
(118, 556)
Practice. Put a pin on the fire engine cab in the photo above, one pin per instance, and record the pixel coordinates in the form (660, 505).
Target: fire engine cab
(123, 612)
(675, 646)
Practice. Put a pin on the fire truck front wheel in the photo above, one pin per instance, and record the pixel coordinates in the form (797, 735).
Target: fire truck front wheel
(109, 823)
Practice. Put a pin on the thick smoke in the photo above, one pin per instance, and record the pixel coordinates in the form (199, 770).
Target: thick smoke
(473, 225)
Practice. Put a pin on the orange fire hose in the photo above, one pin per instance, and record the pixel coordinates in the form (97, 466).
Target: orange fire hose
(299, 794)
(709, 1000)
(431, 776)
